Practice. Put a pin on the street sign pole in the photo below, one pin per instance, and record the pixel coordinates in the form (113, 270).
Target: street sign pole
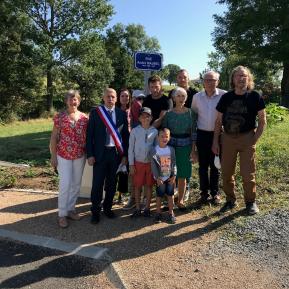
(147, 74)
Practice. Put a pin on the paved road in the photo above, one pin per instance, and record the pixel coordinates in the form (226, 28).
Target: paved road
(27, 266)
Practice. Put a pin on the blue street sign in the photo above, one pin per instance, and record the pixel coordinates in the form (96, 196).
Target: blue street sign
(148, 61)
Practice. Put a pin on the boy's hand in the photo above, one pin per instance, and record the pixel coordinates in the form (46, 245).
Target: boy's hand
(131, 170)
(172, 180)
(159, 182)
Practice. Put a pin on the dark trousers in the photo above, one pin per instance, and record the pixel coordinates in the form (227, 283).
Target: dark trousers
(206, 161)
(104, 174)
(122, 185)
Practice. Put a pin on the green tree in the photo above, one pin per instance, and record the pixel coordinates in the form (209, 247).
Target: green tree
(90, 68)
(170, 72)
(19, 72)
(56, 23)
(121, 42)
(258, 30)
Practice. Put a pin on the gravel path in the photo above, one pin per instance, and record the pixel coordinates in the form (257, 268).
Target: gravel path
(264, 239)
(198, 252)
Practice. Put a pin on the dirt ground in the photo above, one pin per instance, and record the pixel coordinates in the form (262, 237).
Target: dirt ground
(146, 255)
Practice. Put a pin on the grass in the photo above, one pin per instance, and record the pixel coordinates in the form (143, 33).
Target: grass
(26, 142)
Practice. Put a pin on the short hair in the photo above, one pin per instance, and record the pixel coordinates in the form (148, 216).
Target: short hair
(251, 83)
(72, 93)
(108, 89)
(164, 129)
(179, 89)
(217, 74)
(154, 78)
(182, 70)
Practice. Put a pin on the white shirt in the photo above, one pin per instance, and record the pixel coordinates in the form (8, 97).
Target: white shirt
(205, 107)
(165, 161)
(111, 141)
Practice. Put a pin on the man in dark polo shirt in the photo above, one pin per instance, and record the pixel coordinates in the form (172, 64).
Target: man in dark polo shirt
(156, 101)
(237, 112)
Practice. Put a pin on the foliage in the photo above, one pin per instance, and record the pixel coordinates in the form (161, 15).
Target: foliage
(19, 71)
(275, 113)
(6, 179)
(258, 31)
(90, 69)
(121, 42)
(170, 72)
(56, 24)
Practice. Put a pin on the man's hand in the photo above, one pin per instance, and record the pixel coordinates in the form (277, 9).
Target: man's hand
(172, 180)
(216, 148)
(159, 182)
(91, 161)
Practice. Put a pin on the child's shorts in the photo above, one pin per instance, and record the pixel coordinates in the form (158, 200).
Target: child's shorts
(143, 175)
(165, 189)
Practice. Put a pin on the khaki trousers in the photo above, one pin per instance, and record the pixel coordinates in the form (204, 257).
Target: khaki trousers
(232, 145)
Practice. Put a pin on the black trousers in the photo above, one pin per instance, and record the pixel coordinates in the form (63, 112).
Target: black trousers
(104, 174)
(208, 182)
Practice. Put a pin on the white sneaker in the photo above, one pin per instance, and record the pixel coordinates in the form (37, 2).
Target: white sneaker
(129, 205)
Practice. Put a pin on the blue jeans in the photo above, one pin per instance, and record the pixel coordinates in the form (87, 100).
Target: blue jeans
(165, 189)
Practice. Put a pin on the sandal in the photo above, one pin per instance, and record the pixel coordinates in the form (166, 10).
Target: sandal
(182, 207)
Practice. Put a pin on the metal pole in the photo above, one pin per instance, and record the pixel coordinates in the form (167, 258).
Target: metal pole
(147, 74)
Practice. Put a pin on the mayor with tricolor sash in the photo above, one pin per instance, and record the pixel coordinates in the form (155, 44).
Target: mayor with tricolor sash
(106, 146)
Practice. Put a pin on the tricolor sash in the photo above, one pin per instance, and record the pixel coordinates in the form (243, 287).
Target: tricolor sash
(112, 129)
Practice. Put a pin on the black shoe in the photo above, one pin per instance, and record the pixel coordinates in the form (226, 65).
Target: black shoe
(202, 201)
(252, 208)
(136, 214)
(228, 206)
(95, 218)
(158, 218)
(110, 214)
(172, 219)
(147, 213)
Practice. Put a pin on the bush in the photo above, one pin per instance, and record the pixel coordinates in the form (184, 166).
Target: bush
(275, 113)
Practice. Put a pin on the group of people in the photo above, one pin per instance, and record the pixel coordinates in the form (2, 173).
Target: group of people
(155, 139)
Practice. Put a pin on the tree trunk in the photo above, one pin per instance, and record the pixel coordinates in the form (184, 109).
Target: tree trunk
(49, 97)
(285, 85)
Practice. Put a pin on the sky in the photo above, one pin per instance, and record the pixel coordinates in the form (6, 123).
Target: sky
(182, 27)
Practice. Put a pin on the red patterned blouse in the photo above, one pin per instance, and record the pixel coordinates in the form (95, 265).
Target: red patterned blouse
(72, 136)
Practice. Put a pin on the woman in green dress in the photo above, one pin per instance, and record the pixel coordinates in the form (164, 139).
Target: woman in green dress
(181, 121)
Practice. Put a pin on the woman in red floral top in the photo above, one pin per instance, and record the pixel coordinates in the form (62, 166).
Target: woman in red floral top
(67, 147)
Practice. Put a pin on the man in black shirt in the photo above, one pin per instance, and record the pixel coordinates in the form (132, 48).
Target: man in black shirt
(237, 112)
(183, 81)
(156, 101)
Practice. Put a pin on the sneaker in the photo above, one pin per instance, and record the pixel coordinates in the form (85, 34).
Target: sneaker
(216, 200)
(158, 218)
(228, 206)
(252, 208)
(172, 219)
(136, 214)
(129, 205)
(62, 222)
(147, 213)
(73, 216)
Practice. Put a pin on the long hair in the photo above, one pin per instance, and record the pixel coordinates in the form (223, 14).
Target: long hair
(118, 104)
(251, 83)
